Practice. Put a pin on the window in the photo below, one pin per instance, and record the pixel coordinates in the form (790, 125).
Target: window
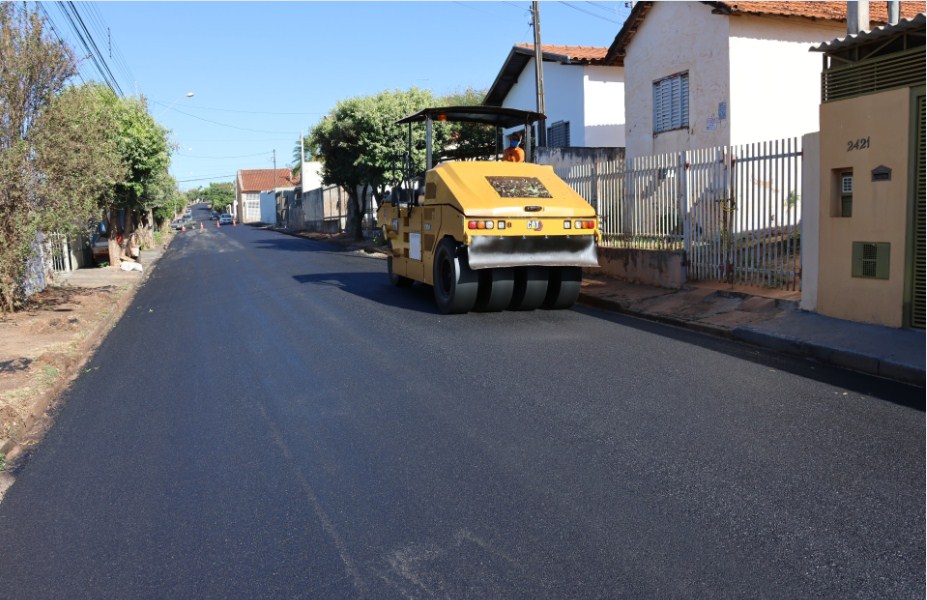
(558, 135)
(671, 103)
(846, 194)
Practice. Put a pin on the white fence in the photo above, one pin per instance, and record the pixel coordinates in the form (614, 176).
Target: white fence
(734, 210)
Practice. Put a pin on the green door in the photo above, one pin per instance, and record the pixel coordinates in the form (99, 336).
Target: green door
(915, 317)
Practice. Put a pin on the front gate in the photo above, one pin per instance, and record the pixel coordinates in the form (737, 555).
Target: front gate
(734, 210)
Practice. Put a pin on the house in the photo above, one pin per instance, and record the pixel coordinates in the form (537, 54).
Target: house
(248, 187)
(706, 74)
(865, 251)
(584, 97)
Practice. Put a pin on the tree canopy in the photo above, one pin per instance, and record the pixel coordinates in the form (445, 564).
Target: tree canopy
(362, 148)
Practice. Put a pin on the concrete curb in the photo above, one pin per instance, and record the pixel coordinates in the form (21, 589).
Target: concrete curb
(847, 359)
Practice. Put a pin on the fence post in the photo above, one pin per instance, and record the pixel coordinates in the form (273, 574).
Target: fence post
(682, 198)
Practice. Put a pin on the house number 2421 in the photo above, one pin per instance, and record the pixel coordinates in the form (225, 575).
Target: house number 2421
(860, 144)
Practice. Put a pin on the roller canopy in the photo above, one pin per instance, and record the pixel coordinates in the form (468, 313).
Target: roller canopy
(491, 115)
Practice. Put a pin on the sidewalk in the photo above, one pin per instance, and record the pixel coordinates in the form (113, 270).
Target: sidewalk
(770, 319)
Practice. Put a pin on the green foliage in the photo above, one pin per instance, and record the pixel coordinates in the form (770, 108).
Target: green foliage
(219, 196)
(75, 154)
(467, 141)
(144, 148)
(33, 68)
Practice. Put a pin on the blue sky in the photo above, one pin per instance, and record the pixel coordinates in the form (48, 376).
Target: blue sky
(262, 72)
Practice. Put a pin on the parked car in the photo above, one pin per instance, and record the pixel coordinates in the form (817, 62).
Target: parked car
(99, 249)
(178, 224)
(214, 216)
(225, 219)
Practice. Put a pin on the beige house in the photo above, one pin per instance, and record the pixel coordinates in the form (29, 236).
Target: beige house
(869, 254)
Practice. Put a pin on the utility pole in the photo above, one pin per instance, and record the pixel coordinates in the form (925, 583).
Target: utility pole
(539, 73)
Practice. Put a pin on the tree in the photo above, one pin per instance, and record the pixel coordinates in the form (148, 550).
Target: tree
(33, 68)
(468, 141)
(362, 148)
(144, 149)
(220, 196)
(75, 156)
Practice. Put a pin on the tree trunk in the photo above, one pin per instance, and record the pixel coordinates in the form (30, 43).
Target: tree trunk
(359, 212)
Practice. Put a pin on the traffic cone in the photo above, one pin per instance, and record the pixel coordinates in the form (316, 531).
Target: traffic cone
(201, 226)
(217, 224)
(183, 227)
(234, 223)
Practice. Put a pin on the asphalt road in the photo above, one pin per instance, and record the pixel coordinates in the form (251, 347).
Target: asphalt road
(271, 419)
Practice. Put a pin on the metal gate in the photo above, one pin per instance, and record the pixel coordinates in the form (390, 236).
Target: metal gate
(744, 214)
(734, 210)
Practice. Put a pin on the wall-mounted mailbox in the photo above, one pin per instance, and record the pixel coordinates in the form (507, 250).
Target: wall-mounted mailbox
(881, 173)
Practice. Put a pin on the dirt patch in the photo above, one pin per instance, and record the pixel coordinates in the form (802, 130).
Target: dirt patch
(42, 348)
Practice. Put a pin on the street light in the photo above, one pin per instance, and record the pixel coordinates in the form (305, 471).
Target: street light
(187, 95)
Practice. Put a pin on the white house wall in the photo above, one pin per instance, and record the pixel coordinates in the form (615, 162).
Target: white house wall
(674, 38)
(590, 98)
(604, 107)
(268, 207)
(776, 81)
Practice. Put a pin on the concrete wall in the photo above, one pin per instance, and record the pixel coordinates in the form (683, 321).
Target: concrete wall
(880, 208)
(650, 267)
(810, 220)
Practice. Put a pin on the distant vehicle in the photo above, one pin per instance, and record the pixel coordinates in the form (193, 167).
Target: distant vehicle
(214, 216)
(225, 219)
(179, 224)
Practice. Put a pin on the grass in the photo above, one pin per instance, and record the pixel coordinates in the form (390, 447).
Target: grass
(48, 376)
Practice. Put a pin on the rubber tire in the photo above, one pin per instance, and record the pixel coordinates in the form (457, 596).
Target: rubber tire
(455, 283)
(530, 288)
(563, 287)
(396, 280)
(496, 287)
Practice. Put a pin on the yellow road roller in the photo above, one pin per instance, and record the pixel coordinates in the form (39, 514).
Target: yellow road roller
(489, 235)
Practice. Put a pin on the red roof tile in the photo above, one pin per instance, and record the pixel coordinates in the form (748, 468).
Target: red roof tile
(256, 180)
(831, 11)
(587, 54)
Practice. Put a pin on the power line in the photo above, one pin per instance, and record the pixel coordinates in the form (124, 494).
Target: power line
(205, 178)
(591, 14)
(88, 44)
(94, 50)
(230, 125)
(247, 112)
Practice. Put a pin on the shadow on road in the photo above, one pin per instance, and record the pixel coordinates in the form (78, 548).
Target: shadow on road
(375, 286)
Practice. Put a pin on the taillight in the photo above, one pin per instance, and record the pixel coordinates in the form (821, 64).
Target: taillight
(484, 225)
(584, 225)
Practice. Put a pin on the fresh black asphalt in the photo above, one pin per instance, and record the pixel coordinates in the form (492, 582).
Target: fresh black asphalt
(270, 419)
